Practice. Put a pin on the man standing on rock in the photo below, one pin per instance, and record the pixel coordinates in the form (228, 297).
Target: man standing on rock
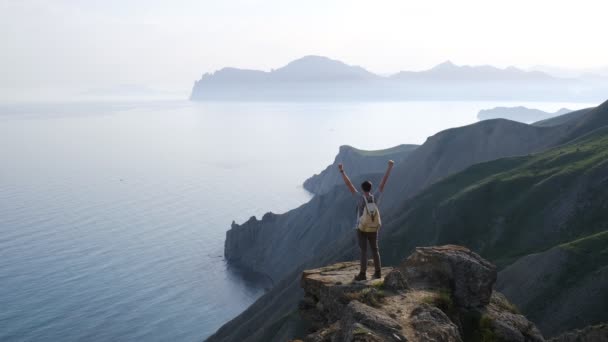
(368, 219)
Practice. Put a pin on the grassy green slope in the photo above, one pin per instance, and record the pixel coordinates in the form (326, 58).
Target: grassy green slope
(511, 207)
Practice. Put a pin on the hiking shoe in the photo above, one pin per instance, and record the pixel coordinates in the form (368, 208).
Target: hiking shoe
(360, 276)
(377, 275)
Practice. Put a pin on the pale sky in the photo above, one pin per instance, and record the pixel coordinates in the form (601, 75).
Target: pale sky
(168, 44)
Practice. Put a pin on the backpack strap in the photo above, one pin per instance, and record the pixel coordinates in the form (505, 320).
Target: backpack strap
(366, 201)
(373, 201)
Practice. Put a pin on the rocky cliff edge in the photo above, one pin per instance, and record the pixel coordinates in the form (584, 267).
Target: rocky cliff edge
(437, 294)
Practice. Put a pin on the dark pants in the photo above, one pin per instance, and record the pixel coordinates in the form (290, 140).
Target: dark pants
(372, 237)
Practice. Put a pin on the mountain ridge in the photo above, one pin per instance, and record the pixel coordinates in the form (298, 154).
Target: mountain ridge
(342, 246)
(360, 162)
(321, 78)
(302, 68)
(309, 227)
(327, 217)
(449, 71)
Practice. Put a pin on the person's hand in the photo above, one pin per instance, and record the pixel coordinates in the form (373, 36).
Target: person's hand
(391, 163)
(340, 167)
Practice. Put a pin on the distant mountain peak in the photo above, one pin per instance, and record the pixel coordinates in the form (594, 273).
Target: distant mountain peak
(445, 65)
(449, 66)
(313, 61)
(313, 58)
(452, 72)
(313, 67)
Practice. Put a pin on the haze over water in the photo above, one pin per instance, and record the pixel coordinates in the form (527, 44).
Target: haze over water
(113, 215)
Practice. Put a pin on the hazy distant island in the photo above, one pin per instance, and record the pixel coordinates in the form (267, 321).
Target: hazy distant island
(520, 113)
(322, 78)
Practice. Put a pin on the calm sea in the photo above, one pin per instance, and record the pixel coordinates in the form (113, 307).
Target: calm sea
(113, 215)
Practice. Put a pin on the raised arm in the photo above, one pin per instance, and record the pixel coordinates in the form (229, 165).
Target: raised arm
(386, 174)
(347, 181)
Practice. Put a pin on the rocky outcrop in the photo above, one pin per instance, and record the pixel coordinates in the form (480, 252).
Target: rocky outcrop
(467, 275)
(429, 323)
(595, 333)
(358, 163)
(440, 305)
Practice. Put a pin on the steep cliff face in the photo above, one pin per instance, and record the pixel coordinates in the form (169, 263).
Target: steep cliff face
(277, 244)
(437, 294)
(359, 163)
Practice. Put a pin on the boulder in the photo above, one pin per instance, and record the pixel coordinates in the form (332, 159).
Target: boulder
(361, 322)
(469, 277)
(433, 325)
(395, 281)
(507, 323)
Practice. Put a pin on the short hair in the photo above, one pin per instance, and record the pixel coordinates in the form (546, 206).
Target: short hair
(366, 186)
